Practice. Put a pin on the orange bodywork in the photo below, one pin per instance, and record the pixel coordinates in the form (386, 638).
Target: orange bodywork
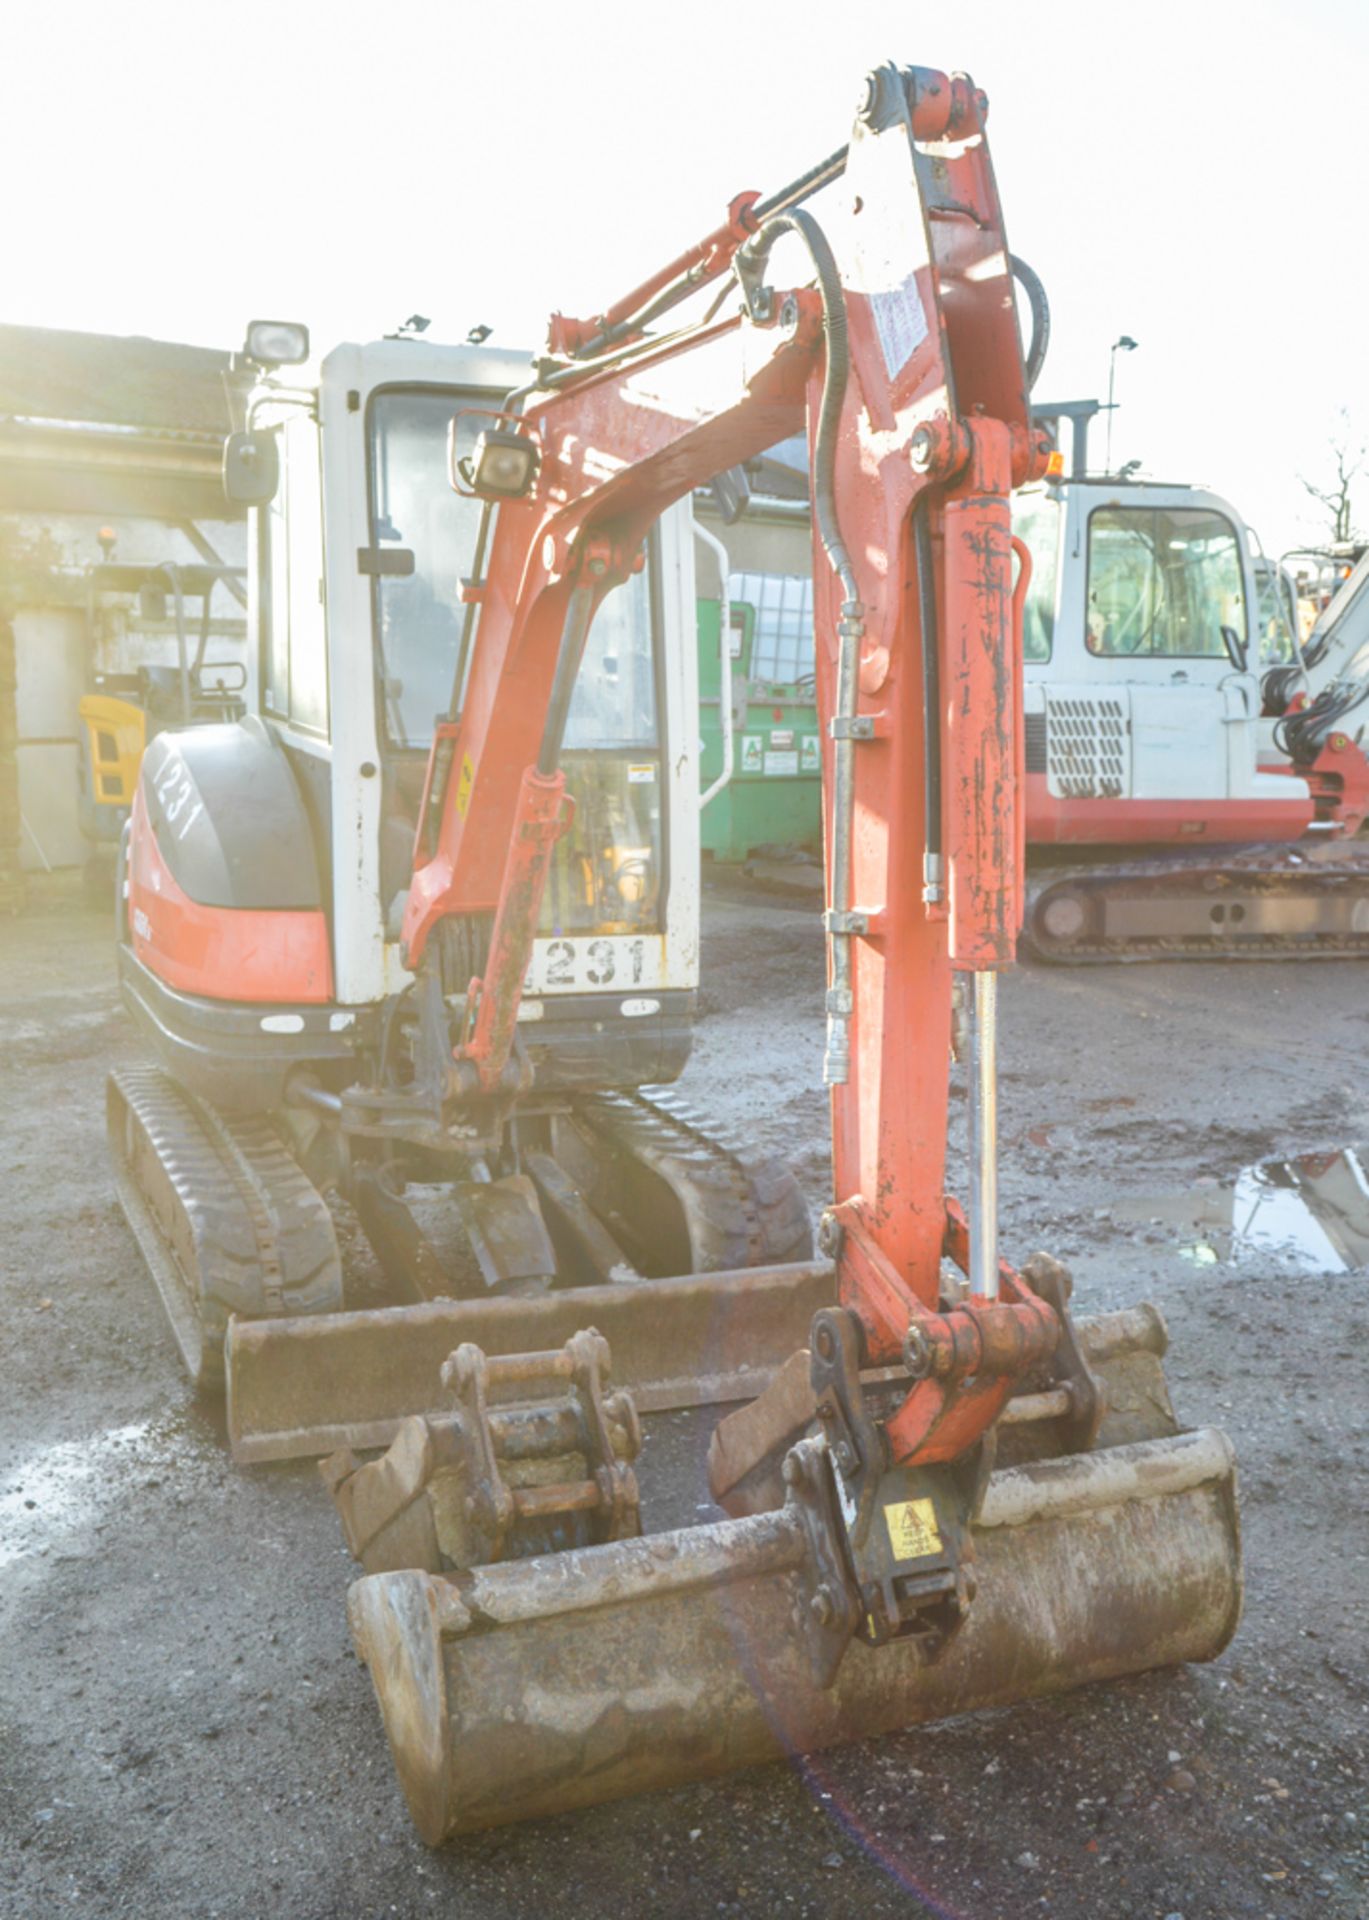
(277, 957)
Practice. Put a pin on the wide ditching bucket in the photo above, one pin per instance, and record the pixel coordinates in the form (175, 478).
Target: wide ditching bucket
(309, 1384)
(535, 1685)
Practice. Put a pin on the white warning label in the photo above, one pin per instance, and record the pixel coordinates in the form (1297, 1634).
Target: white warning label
(901, 322)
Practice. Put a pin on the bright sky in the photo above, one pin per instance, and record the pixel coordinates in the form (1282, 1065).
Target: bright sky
(1189, 174)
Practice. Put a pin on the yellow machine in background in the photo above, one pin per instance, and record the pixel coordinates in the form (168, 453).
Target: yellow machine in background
(125, 710)
(113, 735)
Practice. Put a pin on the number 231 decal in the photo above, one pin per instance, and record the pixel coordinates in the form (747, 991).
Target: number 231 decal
(598, 963)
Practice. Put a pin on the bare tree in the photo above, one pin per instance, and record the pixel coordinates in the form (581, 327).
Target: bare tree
(1348, 453)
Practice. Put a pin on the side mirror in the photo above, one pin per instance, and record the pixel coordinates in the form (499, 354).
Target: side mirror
(731, 490)
(230, 677)
(1235, 649)
(251, 468)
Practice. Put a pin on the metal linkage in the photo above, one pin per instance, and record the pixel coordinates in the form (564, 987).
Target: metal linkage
(496, 1482)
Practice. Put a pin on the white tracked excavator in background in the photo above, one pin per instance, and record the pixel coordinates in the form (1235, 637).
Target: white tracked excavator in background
(1176, 807)
(954, 1495)
(1323, 691)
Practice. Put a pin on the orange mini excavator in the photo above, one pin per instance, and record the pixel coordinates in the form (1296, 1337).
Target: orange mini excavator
(956, 1496)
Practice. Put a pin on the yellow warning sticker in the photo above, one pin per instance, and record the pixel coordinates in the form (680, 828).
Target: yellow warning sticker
(464, 785)
(913, 1532)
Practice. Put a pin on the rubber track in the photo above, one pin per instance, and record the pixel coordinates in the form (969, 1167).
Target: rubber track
(1174, 880)
(742, 1212)
(233, 1225)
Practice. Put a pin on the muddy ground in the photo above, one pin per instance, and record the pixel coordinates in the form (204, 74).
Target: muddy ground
(183, 1727)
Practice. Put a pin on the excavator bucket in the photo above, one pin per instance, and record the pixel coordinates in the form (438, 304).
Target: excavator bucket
(309, 1384)
(535, 1685)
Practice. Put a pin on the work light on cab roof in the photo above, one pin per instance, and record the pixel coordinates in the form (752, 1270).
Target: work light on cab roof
(276, 343)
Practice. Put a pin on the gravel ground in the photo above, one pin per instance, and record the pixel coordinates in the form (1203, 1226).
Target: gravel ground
(183, 1727)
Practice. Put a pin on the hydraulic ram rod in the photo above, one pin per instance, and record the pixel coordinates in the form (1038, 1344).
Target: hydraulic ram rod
(984, 1138)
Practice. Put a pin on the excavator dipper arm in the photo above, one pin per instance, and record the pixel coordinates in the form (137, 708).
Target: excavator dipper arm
(903, 363)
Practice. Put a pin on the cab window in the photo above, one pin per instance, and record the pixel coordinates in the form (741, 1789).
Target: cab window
(1163, 582)
(293, 621)
(608, 873)
(418, 616)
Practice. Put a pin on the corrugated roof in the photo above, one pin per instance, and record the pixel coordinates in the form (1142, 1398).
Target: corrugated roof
(128, 381)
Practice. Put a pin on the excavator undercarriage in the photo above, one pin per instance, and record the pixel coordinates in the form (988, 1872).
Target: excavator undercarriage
(1249, 903)
(618, 1194)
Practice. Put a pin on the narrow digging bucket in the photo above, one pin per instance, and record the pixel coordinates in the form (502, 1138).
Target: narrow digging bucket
(314, 1383)
(532, 1687)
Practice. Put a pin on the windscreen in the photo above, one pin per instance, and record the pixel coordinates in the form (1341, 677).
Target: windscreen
(1163, 582)
(607, 873)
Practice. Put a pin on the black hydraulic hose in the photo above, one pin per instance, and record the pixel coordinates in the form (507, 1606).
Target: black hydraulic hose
(806, 185)
(1030, 283)
(579, 615)
(1302, 735)
(931, 690)
(750, 265)
(751, 259)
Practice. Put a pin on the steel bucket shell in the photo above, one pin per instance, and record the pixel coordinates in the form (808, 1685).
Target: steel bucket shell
(533, 1687)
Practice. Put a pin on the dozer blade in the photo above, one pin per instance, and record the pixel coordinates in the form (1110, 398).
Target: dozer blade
(532, 1687)
(311, 1384)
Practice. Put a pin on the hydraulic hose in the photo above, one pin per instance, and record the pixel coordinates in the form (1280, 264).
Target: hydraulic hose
(1030, 283)
(1302, 735)
(751, 261)
(750, 265)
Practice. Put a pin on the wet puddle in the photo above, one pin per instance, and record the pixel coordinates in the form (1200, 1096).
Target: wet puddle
(59, 1489)
(57, 1496)
(1312, 1212)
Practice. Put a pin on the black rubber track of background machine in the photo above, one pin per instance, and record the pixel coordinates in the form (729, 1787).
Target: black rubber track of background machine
(1264, 872)
(741, 1211)
(226, 1220)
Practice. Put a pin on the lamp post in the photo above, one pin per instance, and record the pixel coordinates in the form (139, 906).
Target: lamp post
(1122, 344)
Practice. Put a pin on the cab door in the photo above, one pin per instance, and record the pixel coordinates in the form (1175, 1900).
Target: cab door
(1165, 616)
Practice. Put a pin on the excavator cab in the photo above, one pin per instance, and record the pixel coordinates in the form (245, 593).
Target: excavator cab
(304, 1053)
(1141, 697)
(608, 912)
